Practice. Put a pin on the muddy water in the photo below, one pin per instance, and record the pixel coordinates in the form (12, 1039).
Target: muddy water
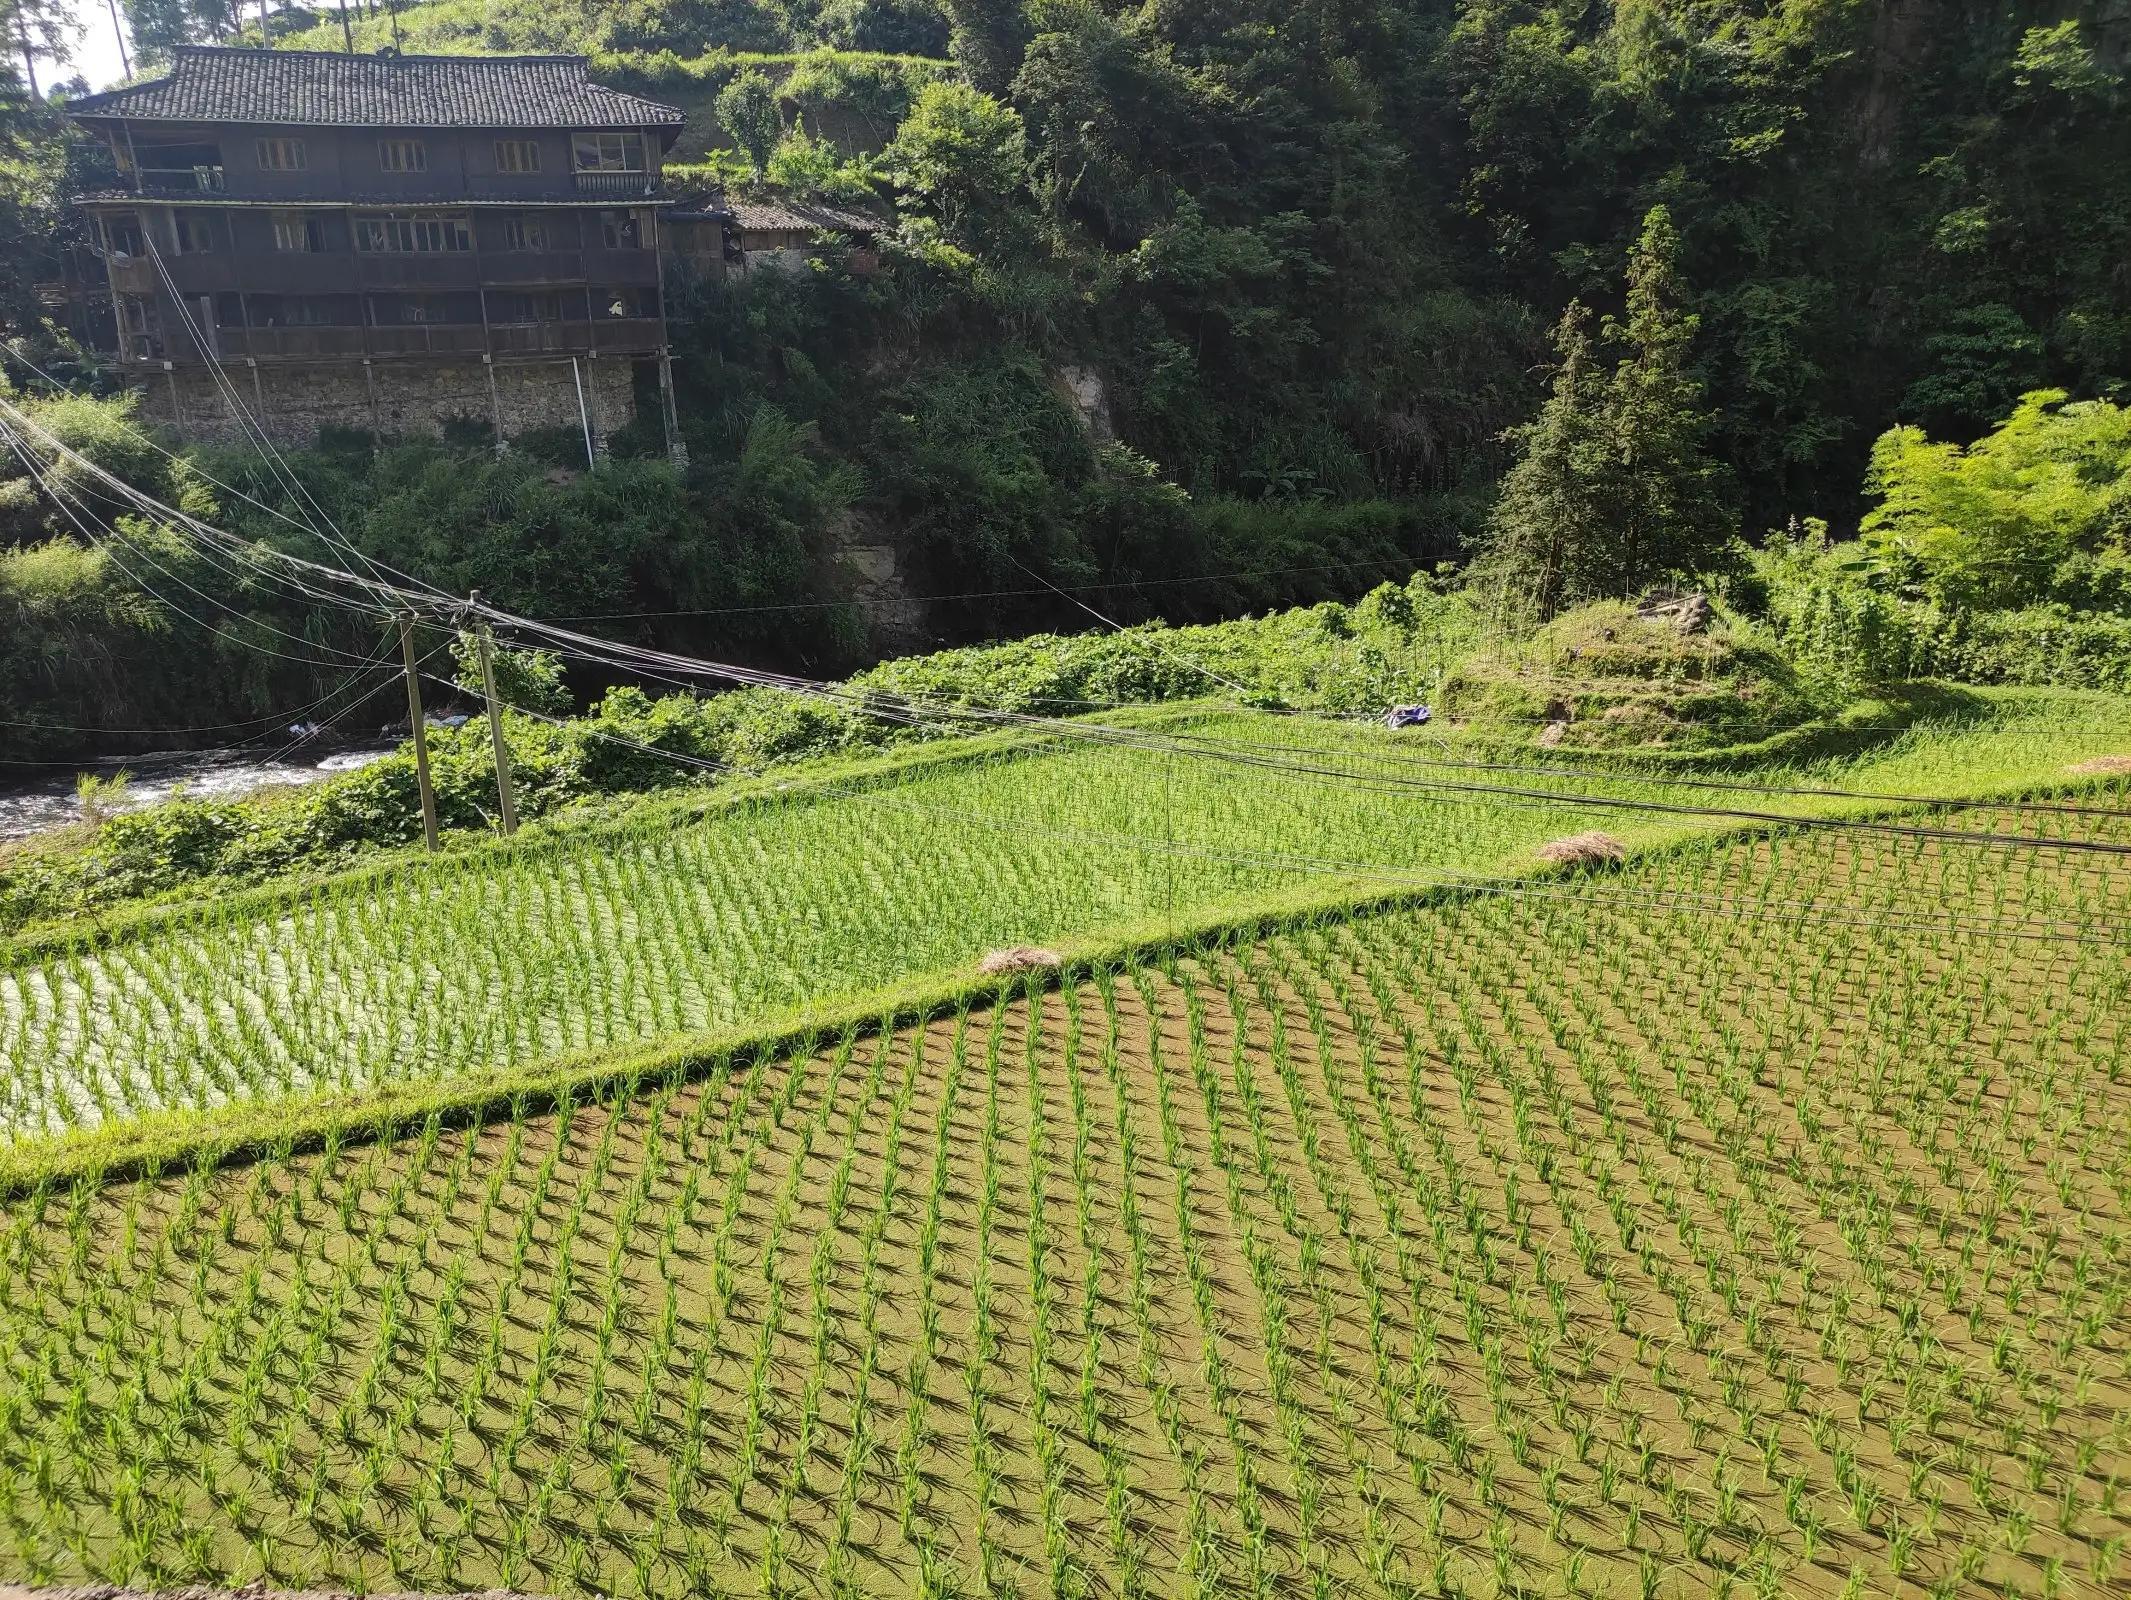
(33, 799)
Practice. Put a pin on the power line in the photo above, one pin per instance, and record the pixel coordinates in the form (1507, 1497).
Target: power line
(1600, 775)
(118, 534)
(256, 435)
(915, 714)
(1399, 876)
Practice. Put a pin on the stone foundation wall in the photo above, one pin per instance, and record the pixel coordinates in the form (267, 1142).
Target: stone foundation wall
(293, 403)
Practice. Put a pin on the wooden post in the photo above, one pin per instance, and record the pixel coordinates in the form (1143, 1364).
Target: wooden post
(584, 415)
(485, 646)
(421, 733)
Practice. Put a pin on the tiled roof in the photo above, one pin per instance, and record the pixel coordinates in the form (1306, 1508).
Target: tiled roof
(770, 216)
(209, 84)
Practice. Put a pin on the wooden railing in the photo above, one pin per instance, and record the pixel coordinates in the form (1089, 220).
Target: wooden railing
(620, 185)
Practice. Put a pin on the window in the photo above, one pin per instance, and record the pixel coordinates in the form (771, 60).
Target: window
(527, 233)
(630, 302)
(304, 235)
(133, 314)
(517, 155)
(184, 165)
(195, 233)
(525, 306)
(403, 155)
(395, 233)
(620, 230)
(608, 152)
(122, 236)
(281, 155)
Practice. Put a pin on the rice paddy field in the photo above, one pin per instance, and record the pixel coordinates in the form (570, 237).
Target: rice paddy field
(1755, 1219)
(593, 939)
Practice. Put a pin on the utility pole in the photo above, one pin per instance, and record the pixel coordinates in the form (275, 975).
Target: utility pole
(485, 647)
(421, 733)
(125, 61)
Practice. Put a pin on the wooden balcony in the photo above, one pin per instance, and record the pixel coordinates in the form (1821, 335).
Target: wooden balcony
(606, 335)
(134, 275)
(180, 182)
(439, 270)
(618, 185)
(617, 336)
(342, 272)
(288, 344)
(428, 339)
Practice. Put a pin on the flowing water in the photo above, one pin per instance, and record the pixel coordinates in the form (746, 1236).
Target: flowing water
(34, 799)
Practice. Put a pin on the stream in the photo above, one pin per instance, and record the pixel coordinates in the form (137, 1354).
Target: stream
(36, 799)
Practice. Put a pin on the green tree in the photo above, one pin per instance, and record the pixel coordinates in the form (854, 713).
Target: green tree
(965, 156)
(1539, 544)
(1612, 486)
(530, 680)
(1667, 499)
(987, 38)
(747, 107)
(2039, 508)
(39, 30)
(159, 26)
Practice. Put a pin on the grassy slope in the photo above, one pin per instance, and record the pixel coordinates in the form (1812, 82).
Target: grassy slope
(576, 953)
(1445, 1250)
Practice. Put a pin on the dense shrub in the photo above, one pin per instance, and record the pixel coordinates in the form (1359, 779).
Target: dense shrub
(1841, 616)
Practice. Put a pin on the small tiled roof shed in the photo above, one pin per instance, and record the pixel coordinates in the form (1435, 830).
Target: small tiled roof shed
(791, 224)
(207, 83)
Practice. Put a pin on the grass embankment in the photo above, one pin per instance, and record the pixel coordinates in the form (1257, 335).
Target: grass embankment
(451, 984)
(1620, 1237)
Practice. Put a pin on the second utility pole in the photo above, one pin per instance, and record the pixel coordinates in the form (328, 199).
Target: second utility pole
(485, 647)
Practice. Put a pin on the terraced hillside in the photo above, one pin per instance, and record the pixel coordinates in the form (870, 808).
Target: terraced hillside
(1757, 1215)
(808, 898)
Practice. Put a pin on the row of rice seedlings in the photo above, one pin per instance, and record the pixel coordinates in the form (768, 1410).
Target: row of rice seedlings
(1222, 1346)
(1066, 1573)
(863, 1446)
(1200, 1561)
(939, 1573)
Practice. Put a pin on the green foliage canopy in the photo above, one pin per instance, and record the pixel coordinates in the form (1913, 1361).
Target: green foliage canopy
(2037, 509)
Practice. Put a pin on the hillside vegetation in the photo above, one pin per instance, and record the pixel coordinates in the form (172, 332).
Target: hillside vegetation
(1100, 1113)
(1171, 294)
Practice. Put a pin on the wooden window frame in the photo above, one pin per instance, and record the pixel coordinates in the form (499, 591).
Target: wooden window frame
(518, 158)
(623, 144)
(403, 229)
(531, 235)
(403, 156)
(281, 153)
